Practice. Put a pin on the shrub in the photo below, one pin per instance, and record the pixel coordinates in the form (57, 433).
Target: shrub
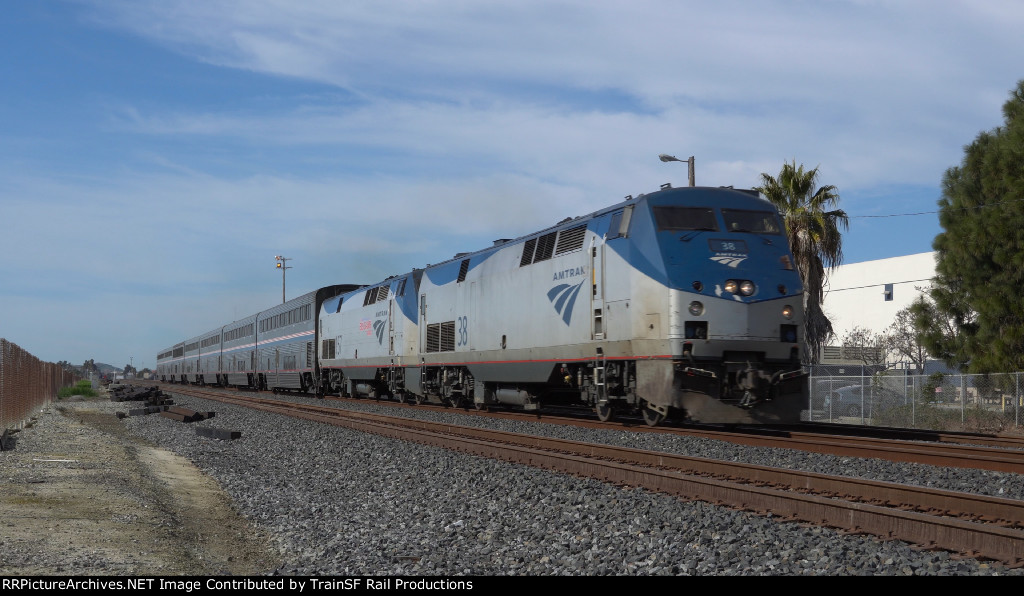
(83, 388)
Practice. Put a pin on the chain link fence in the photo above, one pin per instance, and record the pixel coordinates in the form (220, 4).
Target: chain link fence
(26, 384)
(939, 401)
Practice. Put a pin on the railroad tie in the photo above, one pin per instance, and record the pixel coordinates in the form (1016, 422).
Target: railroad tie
(186, 415)
(218, 433)
(145, 411)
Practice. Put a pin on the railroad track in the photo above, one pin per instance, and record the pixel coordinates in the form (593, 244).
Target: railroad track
(973, 525)
(944, 449)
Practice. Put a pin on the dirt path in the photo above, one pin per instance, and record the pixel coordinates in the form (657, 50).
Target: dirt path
(80, 495)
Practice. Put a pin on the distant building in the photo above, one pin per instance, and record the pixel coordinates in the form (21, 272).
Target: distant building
(868, 295)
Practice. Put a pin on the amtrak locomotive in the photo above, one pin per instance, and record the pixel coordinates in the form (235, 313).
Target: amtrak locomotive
(683, 301)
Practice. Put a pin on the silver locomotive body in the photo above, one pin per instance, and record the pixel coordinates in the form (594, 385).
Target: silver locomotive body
(684, 300)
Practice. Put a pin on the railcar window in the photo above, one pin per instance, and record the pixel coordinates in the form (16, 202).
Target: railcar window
(685, 218)
(757, 222)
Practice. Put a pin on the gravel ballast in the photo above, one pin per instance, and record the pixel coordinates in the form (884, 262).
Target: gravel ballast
(337, 502)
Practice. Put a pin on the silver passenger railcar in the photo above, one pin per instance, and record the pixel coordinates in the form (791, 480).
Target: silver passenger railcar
(238, 353)
(287, 340)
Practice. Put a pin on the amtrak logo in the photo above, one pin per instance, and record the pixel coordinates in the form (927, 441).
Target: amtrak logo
(728, 260)
(378, 328)
(563, 296)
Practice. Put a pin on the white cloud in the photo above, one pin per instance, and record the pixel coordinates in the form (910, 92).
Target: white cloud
(444, 125)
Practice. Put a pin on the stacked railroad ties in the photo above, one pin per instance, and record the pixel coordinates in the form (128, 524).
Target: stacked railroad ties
(158, 403)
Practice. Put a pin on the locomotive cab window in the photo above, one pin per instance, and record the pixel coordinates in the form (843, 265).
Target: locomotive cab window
(756, 222)
(618, 227)
(685, 218)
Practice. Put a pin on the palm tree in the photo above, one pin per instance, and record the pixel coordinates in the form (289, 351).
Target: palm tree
(812, 225)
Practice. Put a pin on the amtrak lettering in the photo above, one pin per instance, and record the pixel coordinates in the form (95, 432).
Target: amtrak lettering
(571, 272)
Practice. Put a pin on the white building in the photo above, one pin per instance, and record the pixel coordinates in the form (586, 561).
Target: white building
(869, 294)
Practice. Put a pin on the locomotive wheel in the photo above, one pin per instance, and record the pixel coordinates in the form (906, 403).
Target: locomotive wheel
(604, 411)
(400, 397)
(481, 406)
(418, 399)
(651, 417)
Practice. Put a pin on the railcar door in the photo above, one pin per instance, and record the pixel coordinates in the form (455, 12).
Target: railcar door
(277, 368)
(597, 289)
(391, 325)
(423, 323)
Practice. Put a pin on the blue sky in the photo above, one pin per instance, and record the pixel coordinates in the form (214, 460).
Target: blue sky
(157, 155)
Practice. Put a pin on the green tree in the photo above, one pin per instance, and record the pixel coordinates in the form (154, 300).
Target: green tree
(812, 225)
(945, 325)
(980, 253)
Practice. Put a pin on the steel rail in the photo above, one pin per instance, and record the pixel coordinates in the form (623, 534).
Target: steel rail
(847, 503)
(953, 454)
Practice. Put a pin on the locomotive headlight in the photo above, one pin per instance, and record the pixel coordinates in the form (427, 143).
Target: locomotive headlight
(730, 286)
(747, 288)
(787, 311)
(696, 308)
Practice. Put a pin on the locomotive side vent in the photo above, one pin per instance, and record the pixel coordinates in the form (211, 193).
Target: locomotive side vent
(545, 246)
(448, 336)
(433, 337)
(570, 240)
(528, 252)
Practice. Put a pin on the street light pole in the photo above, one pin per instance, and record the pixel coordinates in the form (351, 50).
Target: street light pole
(282, 265)
(664, 157)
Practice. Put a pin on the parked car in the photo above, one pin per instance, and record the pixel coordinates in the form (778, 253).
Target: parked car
(859, 400)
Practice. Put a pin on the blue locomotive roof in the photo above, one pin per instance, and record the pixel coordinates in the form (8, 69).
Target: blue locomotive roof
(711, 247)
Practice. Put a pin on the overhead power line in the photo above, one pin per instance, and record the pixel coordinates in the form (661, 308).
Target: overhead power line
(909, 281)
(985, 206)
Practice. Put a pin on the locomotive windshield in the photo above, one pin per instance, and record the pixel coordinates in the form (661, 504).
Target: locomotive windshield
(757, 222)
(685, 218)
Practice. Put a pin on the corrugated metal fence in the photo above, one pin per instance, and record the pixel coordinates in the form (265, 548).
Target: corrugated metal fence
(26, 384)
